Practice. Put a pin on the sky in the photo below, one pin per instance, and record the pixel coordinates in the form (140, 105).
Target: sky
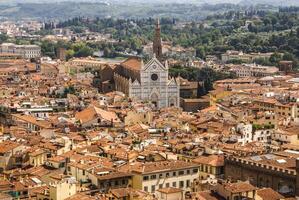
(270, 2)
(163, 1)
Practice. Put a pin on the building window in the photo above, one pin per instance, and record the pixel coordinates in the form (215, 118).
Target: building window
(195, 170)
(181, 172)
(153, 176)
(167, 185)
(145, 188)
(188, 171)
(174, 173)
(153, 188)
(145, 178)
(188, 183)
(174, 184)
(181, 184)
(160, 186)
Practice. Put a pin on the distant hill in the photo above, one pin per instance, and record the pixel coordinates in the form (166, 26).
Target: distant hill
(282, 3)
(128, 9)
(53, 10)
(182, 9)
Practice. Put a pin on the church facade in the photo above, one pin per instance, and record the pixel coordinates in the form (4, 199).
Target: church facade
(148, 82)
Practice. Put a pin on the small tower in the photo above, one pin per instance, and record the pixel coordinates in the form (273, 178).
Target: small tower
(61, 54)
(38, 65)
(157, 43)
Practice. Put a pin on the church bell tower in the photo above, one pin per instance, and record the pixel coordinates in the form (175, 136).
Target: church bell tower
(157, 43)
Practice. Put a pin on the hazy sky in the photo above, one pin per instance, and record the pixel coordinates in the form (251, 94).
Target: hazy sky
(270, 2)
(162, 1)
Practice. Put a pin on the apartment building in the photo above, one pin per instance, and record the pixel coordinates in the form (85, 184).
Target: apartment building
(253, 70)
(25, 51)
(152, 176)
(239, 55)
(59, 190)
(211, 168)
(286, 134)
(10, 155)
(276, 170)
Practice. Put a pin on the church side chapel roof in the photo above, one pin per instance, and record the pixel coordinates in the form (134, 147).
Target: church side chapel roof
(173, 82)
(133, 63)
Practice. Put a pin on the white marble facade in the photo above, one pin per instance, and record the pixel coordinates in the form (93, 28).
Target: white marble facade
(155, 85)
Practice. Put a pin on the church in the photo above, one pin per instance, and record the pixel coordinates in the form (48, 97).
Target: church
(148, 82)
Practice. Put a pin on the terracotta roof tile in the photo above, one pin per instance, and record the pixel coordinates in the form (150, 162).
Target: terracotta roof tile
(170, 190)
(132, 63)
(269, 194)
(212, 160)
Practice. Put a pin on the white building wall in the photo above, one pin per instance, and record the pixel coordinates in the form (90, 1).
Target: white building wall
(177, 181)
(262, 135)
(246, 133)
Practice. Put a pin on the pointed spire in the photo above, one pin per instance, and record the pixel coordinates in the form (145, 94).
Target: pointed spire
(158, 24)
(178, 81)
(142, 64)
(157, 43)
(166, 64)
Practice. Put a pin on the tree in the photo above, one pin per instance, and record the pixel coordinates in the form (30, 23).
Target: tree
(200, 52)
(252, 28)
(68, 90)
(81, 50)
(288, 56)
(107, 52)
(3, 38)
(275, 58)
(84, 52)
(48, 49)
(69, 54)
(201, 91)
